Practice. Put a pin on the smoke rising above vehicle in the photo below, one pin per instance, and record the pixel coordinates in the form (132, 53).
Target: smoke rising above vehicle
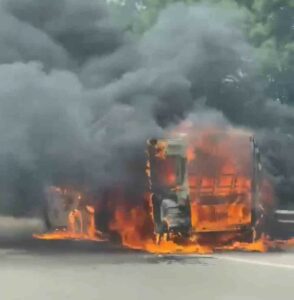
(79, 96)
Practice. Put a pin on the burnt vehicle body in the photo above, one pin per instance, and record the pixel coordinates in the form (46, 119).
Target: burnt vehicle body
(216, 191)
(225, 177)
(169, 191)
(66, 210)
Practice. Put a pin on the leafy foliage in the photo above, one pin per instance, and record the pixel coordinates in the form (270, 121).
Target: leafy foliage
(268, 24)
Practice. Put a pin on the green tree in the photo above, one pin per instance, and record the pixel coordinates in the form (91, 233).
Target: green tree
(271, 32)
(269, 26)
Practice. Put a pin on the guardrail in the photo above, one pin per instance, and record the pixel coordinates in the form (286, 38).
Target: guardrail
(284, 223)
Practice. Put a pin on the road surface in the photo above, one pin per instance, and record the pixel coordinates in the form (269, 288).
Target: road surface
(46, 270)
(60, 270)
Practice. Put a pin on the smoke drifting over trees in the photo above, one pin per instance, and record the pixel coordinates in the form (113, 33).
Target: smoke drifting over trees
(80, 94)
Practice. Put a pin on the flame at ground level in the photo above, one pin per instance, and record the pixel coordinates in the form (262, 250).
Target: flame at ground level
(218, 182)
(80, 226)
(131, 225)
(134, 227)
(66, 235)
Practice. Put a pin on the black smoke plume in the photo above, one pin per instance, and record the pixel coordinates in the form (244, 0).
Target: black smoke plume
(79, 95)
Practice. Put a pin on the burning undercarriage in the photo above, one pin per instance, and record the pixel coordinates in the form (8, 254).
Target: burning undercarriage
(204, 192)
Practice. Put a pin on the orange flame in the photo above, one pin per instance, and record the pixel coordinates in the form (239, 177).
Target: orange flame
(135, 230)
(218, 169)
(75, 229)
(80, 221)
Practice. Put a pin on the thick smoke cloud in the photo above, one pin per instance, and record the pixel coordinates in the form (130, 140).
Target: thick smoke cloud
(79, 96)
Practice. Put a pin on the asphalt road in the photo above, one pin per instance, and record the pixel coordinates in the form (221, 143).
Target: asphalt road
(60, 270)
(43, 270)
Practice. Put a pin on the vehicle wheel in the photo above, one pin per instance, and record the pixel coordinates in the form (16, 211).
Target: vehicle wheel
(259, 227)
(45, 216)
(248, 235)
(115, 237)
(162, 230)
